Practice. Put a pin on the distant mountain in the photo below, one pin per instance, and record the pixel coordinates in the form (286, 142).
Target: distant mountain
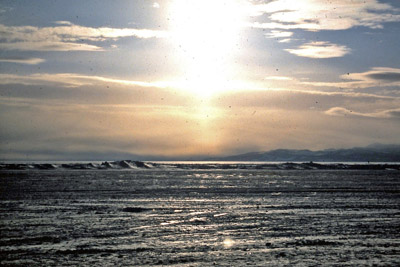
(372, 153)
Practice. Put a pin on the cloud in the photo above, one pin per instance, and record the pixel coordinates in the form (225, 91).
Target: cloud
(43, 126)
(279, 34)
(286, 40)
(49, 46)
(101, 129)
(316, 15)
(376, 77)
(320, 50)
(67, 37)
(278, 78)
(156, 5)
(77, 80)
(297, 100)
(29, 61)
(63, 22)
(340, 111)
(5, 9)
(388, 75)
(247, 96)
(70, 80)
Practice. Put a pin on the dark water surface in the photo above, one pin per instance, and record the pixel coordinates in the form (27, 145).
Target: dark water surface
(200, 217)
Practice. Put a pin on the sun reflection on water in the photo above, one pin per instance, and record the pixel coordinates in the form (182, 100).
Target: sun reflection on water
(228, 242)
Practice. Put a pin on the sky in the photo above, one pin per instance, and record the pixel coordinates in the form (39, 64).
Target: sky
(186, 79)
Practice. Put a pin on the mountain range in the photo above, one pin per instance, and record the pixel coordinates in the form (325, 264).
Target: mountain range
(371, 153)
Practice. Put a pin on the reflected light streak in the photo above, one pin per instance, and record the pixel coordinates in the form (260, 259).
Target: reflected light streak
(228, 242)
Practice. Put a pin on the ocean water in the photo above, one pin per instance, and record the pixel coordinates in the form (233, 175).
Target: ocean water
(165, 217)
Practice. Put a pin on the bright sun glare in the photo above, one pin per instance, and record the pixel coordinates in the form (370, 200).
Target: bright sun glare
(206, 34)
(228, 242)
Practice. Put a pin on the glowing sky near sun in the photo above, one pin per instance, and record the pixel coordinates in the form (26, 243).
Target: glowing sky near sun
(186, 79)
(207, 36)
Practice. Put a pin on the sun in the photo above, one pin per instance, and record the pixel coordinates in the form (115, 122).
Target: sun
(206, 34)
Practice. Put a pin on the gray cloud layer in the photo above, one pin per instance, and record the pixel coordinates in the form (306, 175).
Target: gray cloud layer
(376, 77)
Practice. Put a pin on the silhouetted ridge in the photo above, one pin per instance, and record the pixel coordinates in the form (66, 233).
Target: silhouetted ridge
(371, 153)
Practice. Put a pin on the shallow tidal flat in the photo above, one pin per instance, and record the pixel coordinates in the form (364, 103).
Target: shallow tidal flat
(194, 217)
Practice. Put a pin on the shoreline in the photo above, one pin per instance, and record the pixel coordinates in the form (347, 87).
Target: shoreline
(143, 165)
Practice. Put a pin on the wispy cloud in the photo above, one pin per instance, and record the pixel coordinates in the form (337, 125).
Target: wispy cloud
(282, 36)
(320, 50)
(70, 80)
(341, 111)
(279, 34)
(278, 78)
(378, 76)
(63, 22)
(390, 75)
(77, 80)
(5, 9)
(66, 37)
(316, 15)
(301, 100)
(286, 40)
(49, 46)
(28, 61)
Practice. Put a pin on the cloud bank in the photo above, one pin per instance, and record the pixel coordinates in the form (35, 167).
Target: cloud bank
(316, 15)
(376, 77)
(320, 50)
(66, 37)
(340, 111)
